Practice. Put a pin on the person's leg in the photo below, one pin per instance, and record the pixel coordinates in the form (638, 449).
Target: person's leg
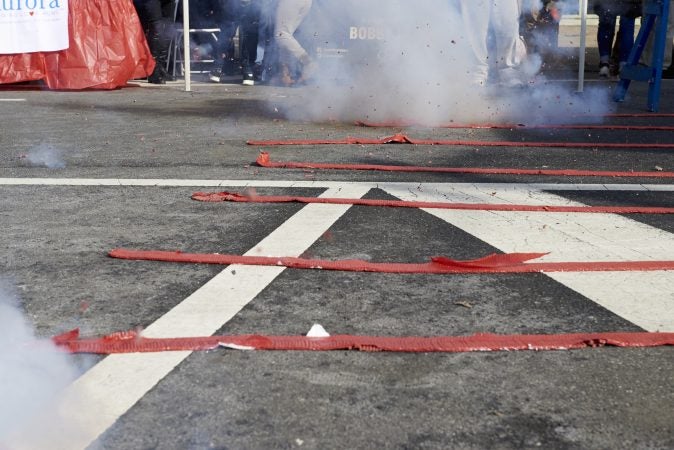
(229, 22)
(166, 31)
(146, 9)
(605, 36)
(248, 38)
(289, 16)
(605, 32)
(509, 47)
(626, 38)
(227, 14)
(615, 51)
(269, 64)
(475, 15)
(157, 34)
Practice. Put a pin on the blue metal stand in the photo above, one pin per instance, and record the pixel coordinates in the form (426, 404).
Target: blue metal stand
(656, 13)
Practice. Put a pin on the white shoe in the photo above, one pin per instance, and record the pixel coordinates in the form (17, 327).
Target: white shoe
(604, 71)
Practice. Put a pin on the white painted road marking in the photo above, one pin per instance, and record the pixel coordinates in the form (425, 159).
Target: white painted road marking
(644, 298)
(12, 99)
(99, 397)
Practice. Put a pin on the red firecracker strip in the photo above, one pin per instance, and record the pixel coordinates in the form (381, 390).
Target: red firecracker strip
(515, 126)
(625, 115)
(132, 342)
(494, 263)
(404, 139)
(264, 160)
(236, 197)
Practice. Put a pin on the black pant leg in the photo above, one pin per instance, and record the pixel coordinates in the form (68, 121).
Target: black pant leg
(249, 36)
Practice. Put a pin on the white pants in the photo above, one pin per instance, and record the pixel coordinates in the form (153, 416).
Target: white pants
(503, 16)
(289, 16)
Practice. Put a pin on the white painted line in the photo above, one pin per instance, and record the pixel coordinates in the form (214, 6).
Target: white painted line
(644, 298)
(12, 99)
(322, 184)
(100, 396)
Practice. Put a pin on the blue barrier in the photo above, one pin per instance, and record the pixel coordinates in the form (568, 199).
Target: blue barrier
(656, 13)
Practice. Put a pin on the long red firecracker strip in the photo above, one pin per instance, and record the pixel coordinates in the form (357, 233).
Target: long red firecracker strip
(132, 342)
(514, 126)
(627, 115)
(403, 123)
(264, 160)
(404, 139)
(236, 197)
(494, 263)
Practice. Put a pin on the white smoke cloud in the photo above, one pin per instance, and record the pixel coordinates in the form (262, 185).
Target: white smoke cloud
(32, 372)
(409, 62)
(47, 156)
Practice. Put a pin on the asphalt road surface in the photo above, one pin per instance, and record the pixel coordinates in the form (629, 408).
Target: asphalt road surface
(83, 173)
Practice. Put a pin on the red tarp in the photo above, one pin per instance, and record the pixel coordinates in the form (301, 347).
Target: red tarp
(107, 48)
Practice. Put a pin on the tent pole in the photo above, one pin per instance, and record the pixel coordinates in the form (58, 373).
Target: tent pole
(583, 45)
(187, 54)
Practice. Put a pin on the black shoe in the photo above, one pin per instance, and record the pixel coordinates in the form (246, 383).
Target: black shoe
(160, 75)
(258, 71)
(248, 78)
(215, 75)
(156, 77)
(167, 76)
(668, 73)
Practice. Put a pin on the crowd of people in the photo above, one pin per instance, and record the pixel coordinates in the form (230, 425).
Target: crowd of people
(259, 24)
(495, 34)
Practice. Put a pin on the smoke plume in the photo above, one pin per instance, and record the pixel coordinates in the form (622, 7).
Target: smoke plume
(409, 61)
(32, 372)
(47, 156)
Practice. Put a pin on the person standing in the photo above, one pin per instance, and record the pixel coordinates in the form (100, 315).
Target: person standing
(503, 17)
(295, 62)
(608, 12)
(157, 18)
(244, 16)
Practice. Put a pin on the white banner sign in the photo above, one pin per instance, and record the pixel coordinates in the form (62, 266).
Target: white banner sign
(33, 26)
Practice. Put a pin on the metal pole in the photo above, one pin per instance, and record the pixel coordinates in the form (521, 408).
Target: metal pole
(583, 45)
(187, 53)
